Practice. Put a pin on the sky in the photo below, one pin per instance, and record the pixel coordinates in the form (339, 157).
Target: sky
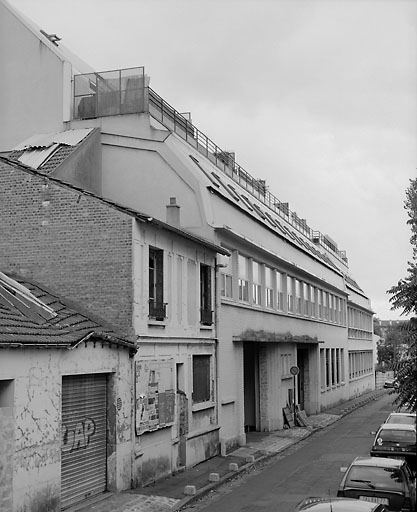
(317, 97)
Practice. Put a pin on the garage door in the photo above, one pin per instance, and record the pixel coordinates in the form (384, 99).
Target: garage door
(84, 440)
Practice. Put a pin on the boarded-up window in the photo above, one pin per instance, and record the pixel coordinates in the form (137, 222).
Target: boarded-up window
(201, 378)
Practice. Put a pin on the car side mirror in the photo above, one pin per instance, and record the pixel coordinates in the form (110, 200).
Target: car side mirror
(343, 469)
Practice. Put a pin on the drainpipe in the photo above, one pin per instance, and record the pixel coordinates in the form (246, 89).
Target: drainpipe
(217, 303)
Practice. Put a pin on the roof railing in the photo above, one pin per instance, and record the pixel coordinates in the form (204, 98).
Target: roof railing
(126, 91)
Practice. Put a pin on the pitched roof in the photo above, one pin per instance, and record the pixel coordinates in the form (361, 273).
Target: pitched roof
(46, 151)
(32, 316)
(117, 206)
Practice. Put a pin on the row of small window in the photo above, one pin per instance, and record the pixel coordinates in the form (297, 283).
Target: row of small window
(361, 363)
(263, 286)
(157, 305)
(359, 320)
(332, 370)
(359, 334)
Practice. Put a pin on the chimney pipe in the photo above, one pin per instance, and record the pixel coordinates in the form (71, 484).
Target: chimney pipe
(173, 212)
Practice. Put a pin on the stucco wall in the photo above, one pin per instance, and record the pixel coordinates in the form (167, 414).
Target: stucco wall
(37, 376)
(31, 88)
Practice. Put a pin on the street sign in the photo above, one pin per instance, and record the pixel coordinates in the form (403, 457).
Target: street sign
(294, 370)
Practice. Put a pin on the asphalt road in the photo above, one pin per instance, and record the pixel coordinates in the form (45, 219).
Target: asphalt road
(311, 468)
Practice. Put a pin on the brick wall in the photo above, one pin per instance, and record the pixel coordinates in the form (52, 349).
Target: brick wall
(76, 245)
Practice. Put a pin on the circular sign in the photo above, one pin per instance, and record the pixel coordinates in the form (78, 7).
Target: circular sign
(294, 370)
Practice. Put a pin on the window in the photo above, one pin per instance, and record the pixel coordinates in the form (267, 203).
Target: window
(306, 296)
(201, 378)
(280, 294)
(322, 369)
(328, 363)
(320, 303)
(256, 283)
(325, 306)
(298, 298)
(269, 288)
(290, 294)
(206, 314)
(331, 307)
(333, 366)
(243, 278)
(313, 302)
(157, 307)
(226, 280)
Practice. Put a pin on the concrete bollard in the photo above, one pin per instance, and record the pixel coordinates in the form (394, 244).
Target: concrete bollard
(214, 477)
(190, 490)
(233, 466)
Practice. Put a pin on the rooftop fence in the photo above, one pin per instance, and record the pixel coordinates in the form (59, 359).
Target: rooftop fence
(127, 91)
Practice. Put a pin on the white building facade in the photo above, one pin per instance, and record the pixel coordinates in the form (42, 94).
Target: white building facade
(281, 293)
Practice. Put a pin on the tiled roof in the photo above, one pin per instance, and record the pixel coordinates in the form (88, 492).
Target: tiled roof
(32, 316)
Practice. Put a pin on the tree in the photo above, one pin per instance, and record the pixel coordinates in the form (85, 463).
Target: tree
(404, 297)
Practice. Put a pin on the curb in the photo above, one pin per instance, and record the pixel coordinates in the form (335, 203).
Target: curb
(245, 467)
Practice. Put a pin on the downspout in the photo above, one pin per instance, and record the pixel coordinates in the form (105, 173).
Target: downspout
(216, 343)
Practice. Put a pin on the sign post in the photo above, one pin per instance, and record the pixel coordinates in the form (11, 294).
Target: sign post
(294, 370)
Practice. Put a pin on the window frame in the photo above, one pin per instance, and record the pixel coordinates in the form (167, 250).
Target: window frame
(157, 306)
(202, 378)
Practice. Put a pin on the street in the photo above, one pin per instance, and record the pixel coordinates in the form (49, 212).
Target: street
(311, 468)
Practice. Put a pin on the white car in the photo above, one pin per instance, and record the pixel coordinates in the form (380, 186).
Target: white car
(402, 418)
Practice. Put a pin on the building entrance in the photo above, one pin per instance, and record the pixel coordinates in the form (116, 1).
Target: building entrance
(251, 386)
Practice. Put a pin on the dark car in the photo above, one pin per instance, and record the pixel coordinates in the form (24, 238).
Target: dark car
(395, 440)
(316, 504)
(388, 482)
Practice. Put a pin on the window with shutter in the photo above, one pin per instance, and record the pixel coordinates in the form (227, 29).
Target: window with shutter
(206, 313)
(157, 306)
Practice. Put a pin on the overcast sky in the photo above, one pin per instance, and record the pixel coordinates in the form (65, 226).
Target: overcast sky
(317, 97)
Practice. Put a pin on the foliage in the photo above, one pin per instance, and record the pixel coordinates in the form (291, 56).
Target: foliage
(406, 372)
(404, 297)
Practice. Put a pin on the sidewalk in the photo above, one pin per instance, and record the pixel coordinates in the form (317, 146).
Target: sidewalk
(174, 492)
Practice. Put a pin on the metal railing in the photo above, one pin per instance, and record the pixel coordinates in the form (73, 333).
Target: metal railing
(157, 310)
(126, 91)
(225, 161)
(109, 93)
(206, 317)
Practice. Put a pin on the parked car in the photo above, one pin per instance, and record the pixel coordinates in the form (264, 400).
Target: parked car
(390, 383)
(388, 482)
(316, 504)
(395, 440)
(403, 418)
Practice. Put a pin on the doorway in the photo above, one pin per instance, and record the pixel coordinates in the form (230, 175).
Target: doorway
(302, 361)
(251, 386)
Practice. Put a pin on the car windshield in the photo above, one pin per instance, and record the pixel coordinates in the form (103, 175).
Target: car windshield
(402, 420)
(397, 436)
(369, 477)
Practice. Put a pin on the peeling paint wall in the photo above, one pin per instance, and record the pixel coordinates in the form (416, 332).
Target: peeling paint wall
(6, 458)
(37, 378)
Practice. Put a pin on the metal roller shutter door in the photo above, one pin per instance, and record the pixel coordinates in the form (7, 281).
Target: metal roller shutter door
(84, 440)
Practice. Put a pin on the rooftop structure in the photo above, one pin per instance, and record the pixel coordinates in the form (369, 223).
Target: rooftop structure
(127, 91)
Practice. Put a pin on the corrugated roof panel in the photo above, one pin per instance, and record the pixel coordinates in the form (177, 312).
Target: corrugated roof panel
(36, 157)
(45, 140)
